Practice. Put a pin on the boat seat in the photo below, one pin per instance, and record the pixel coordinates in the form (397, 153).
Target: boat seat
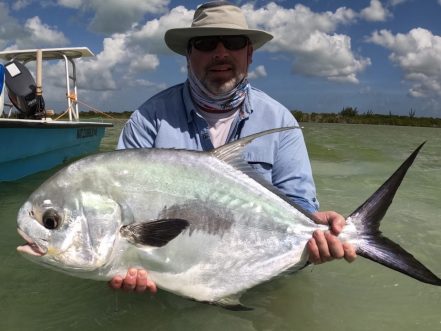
(22, 90)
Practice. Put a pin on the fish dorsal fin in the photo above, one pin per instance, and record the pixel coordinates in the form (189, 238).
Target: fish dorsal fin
(154, 233)
(232, 153)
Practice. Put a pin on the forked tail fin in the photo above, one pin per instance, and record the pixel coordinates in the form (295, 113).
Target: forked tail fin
(373, 245)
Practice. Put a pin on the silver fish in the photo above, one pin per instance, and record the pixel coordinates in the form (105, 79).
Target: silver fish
(203, 223)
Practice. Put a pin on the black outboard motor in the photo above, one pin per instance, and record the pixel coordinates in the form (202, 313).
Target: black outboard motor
(22, 91)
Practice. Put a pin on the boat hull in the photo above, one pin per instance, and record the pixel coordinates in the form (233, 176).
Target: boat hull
(29, 146)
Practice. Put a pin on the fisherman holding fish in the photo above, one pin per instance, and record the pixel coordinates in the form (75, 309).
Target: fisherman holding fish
(216, 105)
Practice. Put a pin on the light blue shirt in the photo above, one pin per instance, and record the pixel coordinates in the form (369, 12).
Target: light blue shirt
(169, 120)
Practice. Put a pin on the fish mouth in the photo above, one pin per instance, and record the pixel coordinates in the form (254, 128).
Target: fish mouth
(30, 248)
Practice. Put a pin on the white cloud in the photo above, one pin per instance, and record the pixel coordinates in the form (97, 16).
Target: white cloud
(375, 12)
(20, 4)
(258, 72)
(39, 34)
(100, 72)
(150, 36)
(418, 54)
(112, 16)
(70, 3)
(308, 39)
(398, 2)
(117, 65)
(148, 84)
(144, 62)
(33, 34)
(311, 40)
(132, 54)
(10, 29)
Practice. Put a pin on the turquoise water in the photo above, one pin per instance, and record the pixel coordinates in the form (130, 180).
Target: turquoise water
(349, 162)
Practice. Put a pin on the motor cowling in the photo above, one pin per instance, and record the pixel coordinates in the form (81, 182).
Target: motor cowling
(22, 90)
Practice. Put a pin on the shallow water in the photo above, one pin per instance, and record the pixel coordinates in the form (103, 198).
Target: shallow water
(349, 163)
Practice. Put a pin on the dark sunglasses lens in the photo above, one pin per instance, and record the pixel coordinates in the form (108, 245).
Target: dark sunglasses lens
(207, 44)
(234, 43)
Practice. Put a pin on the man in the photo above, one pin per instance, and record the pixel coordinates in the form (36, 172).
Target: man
(217, 105)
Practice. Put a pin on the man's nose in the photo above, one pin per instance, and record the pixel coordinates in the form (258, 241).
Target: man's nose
(220, 51)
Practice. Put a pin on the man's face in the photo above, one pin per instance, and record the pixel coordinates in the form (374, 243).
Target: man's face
(221, 69)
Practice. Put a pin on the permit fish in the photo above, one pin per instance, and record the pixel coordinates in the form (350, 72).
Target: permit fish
(204, 224)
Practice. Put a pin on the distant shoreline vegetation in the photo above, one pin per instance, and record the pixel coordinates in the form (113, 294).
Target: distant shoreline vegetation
(348, 115)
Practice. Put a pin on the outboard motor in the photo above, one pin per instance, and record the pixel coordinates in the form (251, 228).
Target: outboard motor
(22, 90)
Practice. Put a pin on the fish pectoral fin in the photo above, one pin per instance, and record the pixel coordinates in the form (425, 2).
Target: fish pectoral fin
(232, 303)
(154, 233)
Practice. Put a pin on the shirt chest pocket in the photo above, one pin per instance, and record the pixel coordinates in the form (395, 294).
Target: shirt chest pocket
(262, 163)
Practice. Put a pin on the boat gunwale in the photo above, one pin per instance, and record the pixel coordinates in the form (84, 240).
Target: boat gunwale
(23, 123)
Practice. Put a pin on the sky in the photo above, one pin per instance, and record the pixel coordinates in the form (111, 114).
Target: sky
(378, 56)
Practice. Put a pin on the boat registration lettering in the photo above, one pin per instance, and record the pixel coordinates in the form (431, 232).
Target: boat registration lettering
(86, 132)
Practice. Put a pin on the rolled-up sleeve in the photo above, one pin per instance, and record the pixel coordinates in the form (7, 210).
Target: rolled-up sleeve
(138, 132)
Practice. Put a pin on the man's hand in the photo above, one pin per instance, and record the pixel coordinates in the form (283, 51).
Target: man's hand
(325, 246)
(136, 280)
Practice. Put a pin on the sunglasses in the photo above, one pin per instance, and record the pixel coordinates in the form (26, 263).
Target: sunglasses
(209, 43)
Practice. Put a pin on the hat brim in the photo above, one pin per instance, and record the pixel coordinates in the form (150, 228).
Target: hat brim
(177, 39)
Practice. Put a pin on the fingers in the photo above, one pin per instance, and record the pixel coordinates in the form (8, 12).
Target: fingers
(334, 245)
(318, 248)
(129, 282)
(350, 253)
(314, 253)
(151, 286)
(324, 247)
(116, 282)
(135, 281)
(335, 221)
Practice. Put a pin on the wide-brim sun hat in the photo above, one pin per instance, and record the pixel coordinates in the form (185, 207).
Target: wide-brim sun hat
(216, 18)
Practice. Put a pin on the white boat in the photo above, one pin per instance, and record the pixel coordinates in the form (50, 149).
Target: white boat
(32, 140)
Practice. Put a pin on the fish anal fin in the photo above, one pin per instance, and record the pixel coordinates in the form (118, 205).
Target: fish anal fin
(231, 303)
(154, 233)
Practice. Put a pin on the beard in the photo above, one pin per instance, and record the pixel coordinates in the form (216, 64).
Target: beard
(219, 85)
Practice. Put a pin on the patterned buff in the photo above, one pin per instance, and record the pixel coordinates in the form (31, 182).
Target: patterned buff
(217, 102)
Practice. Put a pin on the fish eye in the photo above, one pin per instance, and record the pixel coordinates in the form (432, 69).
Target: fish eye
(51, 219)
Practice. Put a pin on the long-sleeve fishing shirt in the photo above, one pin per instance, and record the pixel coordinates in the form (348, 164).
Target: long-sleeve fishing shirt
(170, 120)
